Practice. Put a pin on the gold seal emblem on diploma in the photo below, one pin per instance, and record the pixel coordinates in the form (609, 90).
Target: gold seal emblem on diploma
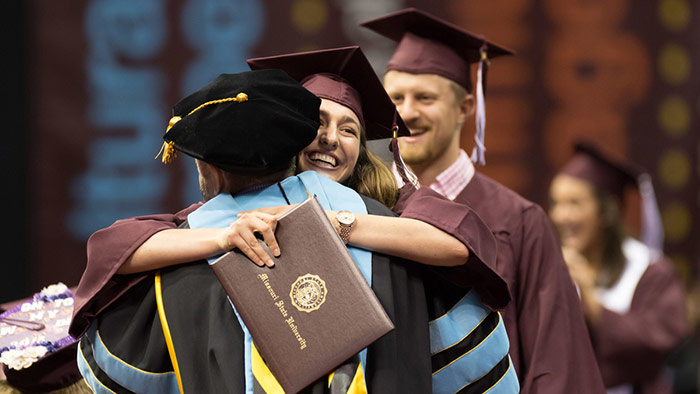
(308, 292)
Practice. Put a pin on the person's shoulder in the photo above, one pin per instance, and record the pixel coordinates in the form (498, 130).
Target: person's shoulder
(501, 192)
(483, 191)
(663, 266)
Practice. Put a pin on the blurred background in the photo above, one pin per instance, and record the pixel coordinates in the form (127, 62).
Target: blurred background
(89, 85)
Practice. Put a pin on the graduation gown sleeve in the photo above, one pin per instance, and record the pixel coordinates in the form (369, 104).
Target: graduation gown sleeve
(544, 321)
(632, 347)
(554, 349)
(463, 223)
(107, 250)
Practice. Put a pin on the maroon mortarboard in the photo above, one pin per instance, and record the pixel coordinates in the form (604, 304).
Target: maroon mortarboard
(344, 75)
(604, 170)
(612, 174)
(429, 45)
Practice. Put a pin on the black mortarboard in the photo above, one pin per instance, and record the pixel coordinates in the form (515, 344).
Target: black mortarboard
(429, 45)
(611, 174)
(343, 75)
(253, 122)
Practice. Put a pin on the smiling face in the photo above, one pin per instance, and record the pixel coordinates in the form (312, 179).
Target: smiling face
(432, 111)
(336, 148)
(575, 212)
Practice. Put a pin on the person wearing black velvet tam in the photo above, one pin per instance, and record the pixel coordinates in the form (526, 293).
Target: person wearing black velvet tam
(174, 330)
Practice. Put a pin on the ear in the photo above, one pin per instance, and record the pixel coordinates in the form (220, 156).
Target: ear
(467, 108)
(213, 177)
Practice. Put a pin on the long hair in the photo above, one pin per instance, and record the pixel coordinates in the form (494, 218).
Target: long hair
(613, 235)
(372, 178)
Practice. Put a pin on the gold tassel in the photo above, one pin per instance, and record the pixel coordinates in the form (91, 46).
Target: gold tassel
(168, 150)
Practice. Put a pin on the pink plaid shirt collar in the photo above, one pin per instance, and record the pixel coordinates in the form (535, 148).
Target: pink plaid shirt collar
(453, 180)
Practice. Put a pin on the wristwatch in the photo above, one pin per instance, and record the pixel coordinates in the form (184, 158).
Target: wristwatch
(345, 219)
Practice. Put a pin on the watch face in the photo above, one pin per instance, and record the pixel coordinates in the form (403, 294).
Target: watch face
(346, 217)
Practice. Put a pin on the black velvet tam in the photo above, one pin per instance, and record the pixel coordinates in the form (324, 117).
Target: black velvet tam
(251, 122)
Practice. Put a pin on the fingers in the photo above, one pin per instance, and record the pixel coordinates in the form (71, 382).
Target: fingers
(254, 250)
(268, 234)
(242, 236)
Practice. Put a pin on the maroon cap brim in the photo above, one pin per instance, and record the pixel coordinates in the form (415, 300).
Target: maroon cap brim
(429, 45)
(605, 171)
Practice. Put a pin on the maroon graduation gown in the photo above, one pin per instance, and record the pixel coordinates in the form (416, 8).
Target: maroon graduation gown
(549, 340)
(632, 347)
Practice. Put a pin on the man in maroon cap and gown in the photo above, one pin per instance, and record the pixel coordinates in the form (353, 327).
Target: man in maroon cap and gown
(632, 298)
(428, 79)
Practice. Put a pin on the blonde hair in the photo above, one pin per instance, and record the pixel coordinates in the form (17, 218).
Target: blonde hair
(459, 91)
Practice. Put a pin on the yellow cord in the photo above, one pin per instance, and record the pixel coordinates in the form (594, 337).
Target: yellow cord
(166, 332)
(168, 150)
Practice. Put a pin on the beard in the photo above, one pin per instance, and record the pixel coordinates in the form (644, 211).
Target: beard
(431, 148)
(413, 154)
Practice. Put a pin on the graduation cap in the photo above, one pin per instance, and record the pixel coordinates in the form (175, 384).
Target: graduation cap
(253, 122)
(429, 45)
(345, 76)
(37, 351)
(612, 174)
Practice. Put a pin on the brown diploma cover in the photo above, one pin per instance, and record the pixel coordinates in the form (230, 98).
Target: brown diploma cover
(314, 309)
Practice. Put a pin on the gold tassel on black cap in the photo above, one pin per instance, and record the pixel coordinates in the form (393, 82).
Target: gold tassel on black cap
(169, 152)
(168, 148)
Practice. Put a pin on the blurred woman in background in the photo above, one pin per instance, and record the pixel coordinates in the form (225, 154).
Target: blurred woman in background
(633, 300)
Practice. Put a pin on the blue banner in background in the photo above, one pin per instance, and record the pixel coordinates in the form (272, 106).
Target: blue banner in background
(222, 33)
(126, 98)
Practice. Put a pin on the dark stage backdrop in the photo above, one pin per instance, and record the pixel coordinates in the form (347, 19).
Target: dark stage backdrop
(99, 78)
